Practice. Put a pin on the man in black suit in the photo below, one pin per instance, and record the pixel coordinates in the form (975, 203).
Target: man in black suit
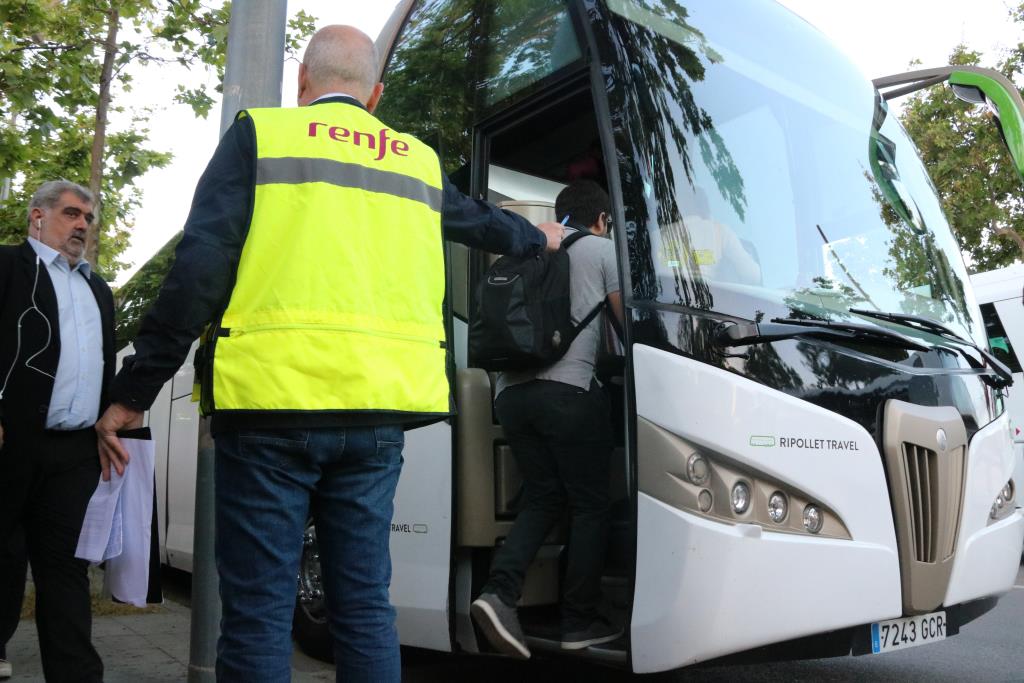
(56, 362)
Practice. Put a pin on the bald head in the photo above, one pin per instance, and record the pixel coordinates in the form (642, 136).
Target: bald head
(338, 59)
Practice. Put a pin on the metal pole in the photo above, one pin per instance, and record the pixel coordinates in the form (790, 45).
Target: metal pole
(252, 78)
(255, 60)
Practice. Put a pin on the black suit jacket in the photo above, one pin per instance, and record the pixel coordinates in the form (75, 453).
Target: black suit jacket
(26, 400)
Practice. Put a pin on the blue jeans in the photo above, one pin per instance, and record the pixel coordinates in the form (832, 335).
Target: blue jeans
(265, 482)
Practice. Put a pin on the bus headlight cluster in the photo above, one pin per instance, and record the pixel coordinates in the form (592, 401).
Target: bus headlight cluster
(724, 489)
(1004, 502)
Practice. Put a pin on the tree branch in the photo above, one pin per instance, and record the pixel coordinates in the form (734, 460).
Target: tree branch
(50, 47)
(100, 138)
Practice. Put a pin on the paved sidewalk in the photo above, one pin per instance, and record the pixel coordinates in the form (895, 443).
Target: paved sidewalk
(140, 648)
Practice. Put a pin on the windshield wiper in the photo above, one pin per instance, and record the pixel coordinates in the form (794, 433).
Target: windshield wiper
(1004, 376)
(744, 334)
(915, 320)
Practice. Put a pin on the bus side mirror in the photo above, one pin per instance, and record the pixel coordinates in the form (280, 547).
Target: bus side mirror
(1003, 100)
(968, 94)
(975, 85)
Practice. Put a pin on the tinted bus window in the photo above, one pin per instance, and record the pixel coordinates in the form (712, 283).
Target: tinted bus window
(455, 59)
(529, 40)
(998, 340)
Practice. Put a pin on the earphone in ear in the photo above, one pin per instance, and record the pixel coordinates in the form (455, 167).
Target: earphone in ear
(39, 224)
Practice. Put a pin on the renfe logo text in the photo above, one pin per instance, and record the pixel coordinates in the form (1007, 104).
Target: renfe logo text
(358, 138)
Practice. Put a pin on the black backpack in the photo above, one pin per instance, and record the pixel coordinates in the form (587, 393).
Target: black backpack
(523, 314)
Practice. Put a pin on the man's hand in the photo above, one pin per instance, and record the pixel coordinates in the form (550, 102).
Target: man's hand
(554, 232)
(116, 418)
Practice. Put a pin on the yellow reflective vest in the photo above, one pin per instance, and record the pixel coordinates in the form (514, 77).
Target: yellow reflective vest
(338, 302)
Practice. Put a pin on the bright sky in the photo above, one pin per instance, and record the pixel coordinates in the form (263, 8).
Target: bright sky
(880, 36)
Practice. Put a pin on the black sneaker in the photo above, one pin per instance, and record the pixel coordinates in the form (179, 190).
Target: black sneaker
(597, 632)
(500, 624)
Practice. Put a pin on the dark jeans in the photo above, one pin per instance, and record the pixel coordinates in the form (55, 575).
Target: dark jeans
(560, 438)
(45, 487)
(265, 482)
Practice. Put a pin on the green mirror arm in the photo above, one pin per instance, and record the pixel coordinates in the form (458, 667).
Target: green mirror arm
(1009, 107)
(997, 88)
(912, 80)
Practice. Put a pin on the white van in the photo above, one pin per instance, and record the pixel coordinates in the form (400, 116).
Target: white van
(1000, 294)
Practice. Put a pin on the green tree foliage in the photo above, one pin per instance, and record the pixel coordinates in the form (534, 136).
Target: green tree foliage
(135, 297)
(64, 64)
(969, 164)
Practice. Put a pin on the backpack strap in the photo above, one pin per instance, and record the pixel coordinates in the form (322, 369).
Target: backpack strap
(566, 243)
(576, 329)
(575, 237)
(593, 314)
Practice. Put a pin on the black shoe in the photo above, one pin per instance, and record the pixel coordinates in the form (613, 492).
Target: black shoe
(500, 624)
(599, 631)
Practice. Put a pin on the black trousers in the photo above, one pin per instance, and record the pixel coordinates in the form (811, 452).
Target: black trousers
(47, 480)
(561, 439)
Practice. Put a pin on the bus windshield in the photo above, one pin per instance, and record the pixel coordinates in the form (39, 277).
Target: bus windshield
(768, 178)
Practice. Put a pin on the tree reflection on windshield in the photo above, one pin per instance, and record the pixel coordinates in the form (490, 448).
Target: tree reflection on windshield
(430, 81)
(650, 73)
(916, 261)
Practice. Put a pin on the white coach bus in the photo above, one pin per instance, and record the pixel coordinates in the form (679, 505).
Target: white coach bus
(813, 452)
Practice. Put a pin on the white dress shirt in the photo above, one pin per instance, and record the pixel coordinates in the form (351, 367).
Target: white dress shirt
(77, 384)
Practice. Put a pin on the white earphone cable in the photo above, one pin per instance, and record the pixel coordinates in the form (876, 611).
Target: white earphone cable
(49, 328)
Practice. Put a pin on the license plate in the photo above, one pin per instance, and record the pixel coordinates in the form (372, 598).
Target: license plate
(899, 634)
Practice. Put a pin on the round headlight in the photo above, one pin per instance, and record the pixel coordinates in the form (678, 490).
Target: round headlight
(1000, 502)
(778, 507)
(697, 470)
(704, 500)
(1008, 491)
(740, 497)
(813, 519)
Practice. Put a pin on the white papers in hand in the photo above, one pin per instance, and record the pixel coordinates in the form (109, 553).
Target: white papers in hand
(101, 536)
(117, 526)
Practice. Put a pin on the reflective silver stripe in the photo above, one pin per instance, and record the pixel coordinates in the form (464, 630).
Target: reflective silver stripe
(295, 170)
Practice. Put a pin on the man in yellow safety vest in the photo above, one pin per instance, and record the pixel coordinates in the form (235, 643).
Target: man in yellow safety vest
(313, 257)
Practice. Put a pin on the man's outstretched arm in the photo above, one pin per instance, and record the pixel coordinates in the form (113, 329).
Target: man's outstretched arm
(481, 225)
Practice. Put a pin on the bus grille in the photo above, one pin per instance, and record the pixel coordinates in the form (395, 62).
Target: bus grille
(933, 517)
(925, 456)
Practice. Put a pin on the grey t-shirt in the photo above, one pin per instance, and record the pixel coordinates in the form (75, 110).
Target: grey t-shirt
(593, 275)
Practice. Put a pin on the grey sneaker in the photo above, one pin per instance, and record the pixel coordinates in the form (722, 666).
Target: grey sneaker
(500, 624)
(598, 632)
(5, 669)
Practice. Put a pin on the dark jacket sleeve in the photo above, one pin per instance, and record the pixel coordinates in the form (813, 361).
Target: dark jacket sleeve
(6, 269)
(480, 224)
(105, 300)
(199, 283)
